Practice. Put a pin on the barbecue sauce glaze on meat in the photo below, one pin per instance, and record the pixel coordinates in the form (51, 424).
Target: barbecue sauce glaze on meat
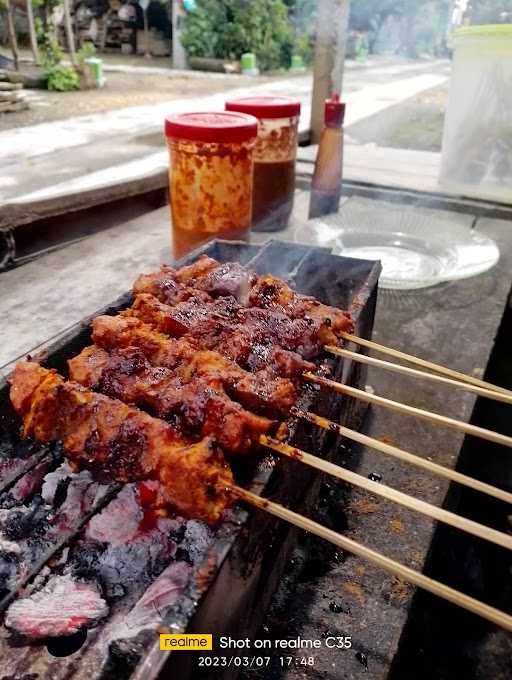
(206, 275)
(116, 441)
(192, 402)
(261, 391)
(212, 348)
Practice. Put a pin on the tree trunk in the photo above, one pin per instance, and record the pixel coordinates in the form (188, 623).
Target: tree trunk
(70, 37)
(11, 31)
(32, 30)
(331, 38)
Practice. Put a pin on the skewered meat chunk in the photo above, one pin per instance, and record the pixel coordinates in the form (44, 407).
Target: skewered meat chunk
(193, 403)
(120, 442)
(215, 280)
(261, 391)
(267, 361)
(234, 330)
(204, 280)
(270, 292)
(201, 267)
(166, 288)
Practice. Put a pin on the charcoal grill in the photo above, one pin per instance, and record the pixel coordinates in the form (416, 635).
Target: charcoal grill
(51, 522)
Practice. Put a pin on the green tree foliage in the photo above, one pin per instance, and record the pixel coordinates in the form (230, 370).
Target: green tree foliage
(61, 78)
(490, 11)
(225, 29)
(58, 76)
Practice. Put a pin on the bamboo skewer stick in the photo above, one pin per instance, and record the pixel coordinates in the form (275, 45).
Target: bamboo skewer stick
(396, 568)
(432, 511)
(396, 452)
(415, 373)
(452, 423)
(462, 377)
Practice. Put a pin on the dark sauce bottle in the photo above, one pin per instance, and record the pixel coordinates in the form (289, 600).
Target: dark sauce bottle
(327, 177)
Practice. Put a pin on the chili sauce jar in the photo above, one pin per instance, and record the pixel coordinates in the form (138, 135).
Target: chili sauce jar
(210, 176)
(274, 158)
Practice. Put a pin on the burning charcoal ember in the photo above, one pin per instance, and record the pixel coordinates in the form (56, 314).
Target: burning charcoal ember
(121, 548)
(21, 542)
(119, 522)
(142, 558)
(10, 558)
(62, 607)
(85, 561)
(53, 479)
(198, 538)
(35, 526)
(150, 610)
(17, 456)
(24, 521)
(30, 481)
(71, 494)
(56, 482)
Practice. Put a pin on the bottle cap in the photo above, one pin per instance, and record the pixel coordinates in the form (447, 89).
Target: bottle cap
(265, 106)
(220, 127)
(334, 111)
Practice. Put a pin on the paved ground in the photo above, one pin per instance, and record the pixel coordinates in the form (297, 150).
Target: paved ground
(124, 88)
(37, 161)
(415, 124)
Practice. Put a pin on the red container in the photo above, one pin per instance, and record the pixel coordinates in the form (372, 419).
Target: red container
(274, 158)
(210, 176)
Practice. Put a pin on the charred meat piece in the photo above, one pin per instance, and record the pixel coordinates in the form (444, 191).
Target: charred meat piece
(115, 332)
(164, 285)
(270, 292)
(194, 402)
(192, 272)
(224, 279)
(116, 441)
(62, 607)
(260, 391)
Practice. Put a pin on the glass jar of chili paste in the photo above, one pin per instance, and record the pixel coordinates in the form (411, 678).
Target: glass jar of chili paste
(210, 176)
(274, 158)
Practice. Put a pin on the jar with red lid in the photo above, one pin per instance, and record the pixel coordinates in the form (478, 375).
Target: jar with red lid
(210, 176)
(274, 158)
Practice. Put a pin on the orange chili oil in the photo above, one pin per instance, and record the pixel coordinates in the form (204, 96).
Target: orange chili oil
(211, 192)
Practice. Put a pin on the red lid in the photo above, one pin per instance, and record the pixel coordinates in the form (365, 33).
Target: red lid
(266, 106)
(334, 111)
(212, 127)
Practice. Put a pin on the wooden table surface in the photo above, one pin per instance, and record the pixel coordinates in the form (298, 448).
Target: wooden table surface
(454, 324)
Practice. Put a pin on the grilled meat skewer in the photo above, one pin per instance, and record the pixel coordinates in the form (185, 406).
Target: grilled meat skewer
(192, 402)
(251, 337)
(209, 277)
(119, 442)
(261, 391)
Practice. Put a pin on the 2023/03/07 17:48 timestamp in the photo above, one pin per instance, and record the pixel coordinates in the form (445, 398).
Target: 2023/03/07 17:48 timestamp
(253, 661)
